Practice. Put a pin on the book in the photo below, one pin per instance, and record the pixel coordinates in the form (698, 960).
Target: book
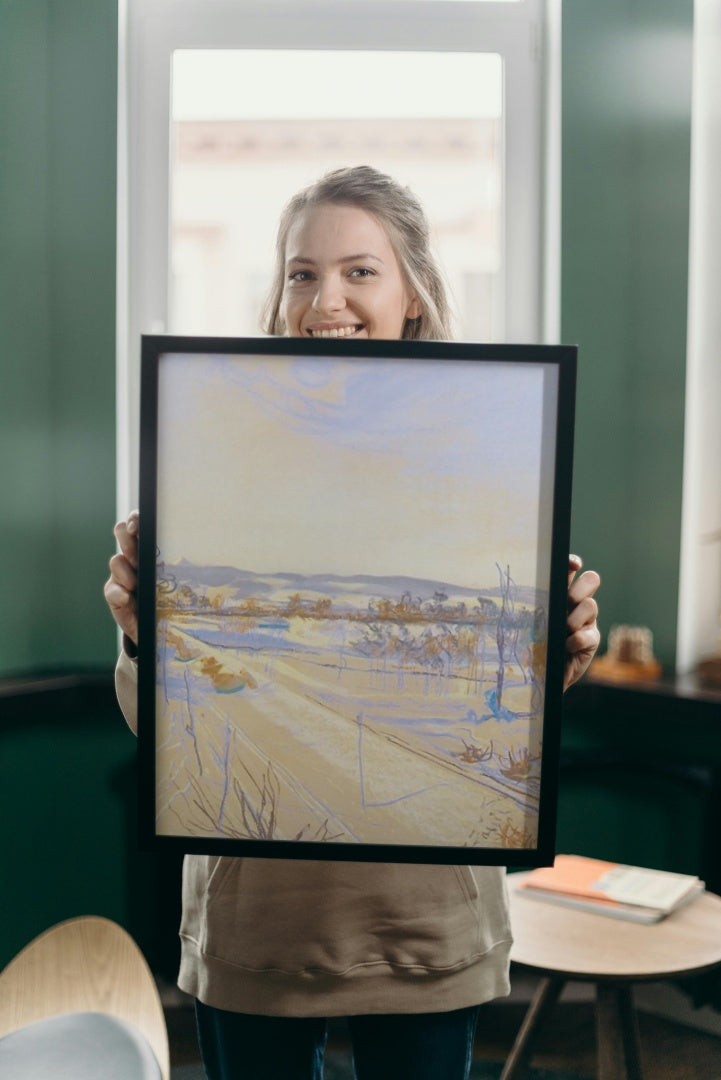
(608, 888)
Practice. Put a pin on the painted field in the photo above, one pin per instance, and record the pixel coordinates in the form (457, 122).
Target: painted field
(414, 723)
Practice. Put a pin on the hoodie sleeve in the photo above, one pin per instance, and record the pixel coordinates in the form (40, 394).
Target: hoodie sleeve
(126, 688)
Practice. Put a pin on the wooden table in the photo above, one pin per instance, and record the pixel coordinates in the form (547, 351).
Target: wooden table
(563, 944)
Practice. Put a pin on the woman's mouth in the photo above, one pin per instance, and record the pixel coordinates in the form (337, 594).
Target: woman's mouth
(335, 331)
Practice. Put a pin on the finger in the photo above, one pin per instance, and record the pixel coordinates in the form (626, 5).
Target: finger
(118, 598)
(126, 534)
(583, 641)
(586, 585)
(584, 613)
(575, 562)
(123, 573)
(123, 608)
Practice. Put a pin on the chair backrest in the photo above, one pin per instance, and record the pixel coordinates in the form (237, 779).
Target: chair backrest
(87, 964)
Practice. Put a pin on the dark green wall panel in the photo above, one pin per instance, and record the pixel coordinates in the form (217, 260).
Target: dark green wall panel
(626, 147)
(26, 490)
(82, 221)
(58, 77)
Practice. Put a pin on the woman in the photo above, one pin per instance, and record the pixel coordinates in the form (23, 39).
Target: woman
(271, 948)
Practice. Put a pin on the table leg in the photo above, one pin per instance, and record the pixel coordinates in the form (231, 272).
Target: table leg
(617, 1033)
(545, 997)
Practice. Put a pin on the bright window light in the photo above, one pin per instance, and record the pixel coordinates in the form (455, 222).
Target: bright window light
(251, 127)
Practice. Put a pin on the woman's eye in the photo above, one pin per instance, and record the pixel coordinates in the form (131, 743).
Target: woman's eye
(300, 276)
(362, 272)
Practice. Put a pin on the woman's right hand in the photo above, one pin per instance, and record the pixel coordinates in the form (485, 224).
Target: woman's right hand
(121, 587)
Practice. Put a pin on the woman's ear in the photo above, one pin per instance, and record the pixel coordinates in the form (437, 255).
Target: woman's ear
(415, 309)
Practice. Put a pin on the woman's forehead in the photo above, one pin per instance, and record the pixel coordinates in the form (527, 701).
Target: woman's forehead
(326, 230)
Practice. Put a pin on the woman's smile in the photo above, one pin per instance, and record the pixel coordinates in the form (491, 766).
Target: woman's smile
(335, 331)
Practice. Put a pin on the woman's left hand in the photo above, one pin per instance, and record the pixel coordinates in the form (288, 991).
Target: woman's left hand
(583, 635)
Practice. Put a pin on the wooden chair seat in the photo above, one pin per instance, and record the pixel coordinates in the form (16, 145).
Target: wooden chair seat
(84, 965)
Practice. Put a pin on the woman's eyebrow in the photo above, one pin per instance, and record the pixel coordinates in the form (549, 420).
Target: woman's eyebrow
(361, 257)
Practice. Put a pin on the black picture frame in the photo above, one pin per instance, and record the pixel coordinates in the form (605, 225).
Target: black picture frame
(353, 572)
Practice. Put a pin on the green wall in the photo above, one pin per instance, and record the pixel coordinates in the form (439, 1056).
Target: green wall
(58, 72)
(625, 200)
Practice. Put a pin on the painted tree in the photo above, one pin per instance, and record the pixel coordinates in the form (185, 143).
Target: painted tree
(322, 607)
(294, 605)
(504, 628)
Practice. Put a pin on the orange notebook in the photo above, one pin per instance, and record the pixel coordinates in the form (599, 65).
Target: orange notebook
(630, 892)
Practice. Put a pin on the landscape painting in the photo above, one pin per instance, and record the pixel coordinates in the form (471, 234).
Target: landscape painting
(351, 602)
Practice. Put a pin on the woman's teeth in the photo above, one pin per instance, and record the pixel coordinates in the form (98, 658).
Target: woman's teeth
(337, 331)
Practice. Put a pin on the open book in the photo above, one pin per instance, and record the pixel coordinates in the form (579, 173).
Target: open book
(608, 888)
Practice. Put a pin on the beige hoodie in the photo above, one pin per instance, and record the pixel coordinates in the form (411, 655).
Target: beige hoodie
(286, 937)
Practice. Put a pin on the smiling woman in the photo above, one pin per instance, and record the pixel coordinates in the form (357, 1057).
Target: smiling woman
(353, 259)
(290, 941)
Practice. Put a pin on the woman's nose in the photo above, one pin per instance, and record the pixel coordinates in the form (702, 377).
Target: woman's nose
(329, 296)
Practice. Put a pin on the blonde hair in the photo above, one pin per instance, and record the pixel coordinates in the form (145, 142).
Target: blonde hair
(403, 217)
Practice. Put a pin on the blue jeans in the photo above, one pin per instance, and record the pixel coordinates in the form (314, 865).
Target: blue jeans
(415, 1046)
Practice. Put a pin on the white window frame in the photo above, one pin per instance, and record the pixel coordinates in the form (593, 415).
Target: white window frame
(526, 34)
(699, 597)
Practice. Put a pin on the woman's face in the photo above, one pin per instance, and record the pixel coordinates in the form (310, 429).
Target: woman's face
(342, 277)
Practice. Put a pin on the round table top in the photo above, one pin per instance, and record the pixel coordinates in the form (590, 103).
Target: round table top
(559, 940)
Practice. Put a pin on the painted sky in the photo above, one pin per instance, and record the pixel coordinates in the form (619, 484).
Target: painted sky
(384, 467)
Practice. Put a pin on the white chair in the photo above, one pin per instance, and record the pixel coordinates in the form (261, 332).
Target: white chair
(80, 1002)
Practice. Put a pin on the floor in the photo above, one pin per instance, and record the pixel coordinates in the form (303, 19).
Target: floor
(669, 1050)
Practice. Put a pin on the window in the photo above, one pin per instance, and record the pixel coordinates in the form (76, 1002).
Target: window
(235, 161)
(227, 107)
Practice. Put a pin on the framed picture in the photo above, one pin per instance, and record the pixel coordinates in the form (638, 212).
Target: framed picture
(352, 597)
